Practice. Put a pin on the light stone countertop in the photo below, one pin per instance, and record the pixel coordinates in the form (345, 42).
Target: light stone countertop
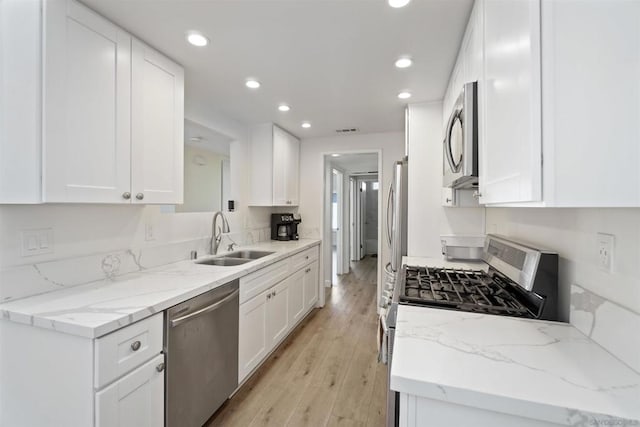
(101, 307)
(531, 368)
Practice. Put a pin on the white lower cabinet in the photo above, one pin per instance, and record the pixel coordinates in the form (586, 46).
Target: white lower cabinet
(252, 342)
(135, 400)
(267, 318)
(310, 285)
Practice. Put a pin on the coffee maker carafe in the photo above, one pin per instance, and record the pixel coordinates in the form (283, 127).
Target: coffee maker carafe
(284, 226)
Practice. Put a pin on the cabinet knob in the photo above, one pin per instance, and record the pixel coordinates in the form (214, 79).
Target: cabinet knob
(269, 296)
(160, 367)
(135, 346)
(139, 196)
(307, 257)
(273, 293)
(448, 200)
(477, 194)
(126, 195)
(307, 270)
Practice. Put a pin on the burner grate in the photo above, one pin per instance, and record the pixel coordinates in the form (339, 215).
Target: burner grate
(468, 290)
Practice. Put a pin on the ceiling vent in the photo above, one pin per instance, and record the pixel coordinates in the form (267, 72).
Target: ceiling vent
(347, 130)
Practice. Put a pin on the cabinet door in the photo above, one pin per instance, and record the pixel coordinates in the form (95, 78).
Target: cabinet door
(135, 400)
(86, 115)
(280, 159)
(277, 313)
(253, 345)
(311, 285)
(296, 296)
(511, 149)
(293, 169)
(472, 51)
(157, 127)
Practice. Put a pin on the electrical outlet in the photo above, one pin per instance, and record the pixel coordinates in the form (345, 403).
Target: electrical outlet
(37, 242)
(605, 251)
(148, 232)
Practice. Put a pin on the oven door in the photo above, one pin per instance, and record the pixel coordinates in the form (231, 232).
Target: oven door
(460, 145)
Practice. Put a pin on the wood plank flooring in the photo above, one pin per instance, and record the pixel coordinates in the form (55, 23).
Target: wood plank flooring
(326, 372)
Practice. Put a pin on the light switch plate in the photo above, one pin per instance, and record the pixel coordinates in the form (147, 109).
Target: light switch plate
(605, 245)
(149, 232)
(37, 241)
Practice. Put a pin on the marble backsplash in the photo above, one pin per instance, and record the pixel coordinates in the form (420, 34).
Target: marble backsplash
(33, 279)
(615, 328)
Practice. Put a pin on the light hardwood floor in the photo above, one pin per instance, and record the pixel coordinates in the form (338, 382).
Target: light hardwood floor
(326, 372)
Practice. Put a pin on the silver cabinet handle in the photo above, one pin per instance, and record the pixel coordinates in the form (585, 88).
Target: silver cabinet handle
(135, 346)
(160, 367)
(477, 194)
(307, 257)
(139, 196)
(269, 296)
(307, 270)
(274, 293)
(126, 195)
(448, 200)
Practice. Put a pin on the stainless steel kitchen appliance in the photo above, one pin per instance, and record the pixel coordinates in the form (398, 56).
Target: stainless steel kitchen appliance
(396, 230)
(201, 346)
(460, 147)
(514, 279)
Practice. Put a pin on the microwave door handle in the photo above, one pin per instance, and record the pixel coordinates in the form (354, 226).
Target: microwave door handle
(456, 115)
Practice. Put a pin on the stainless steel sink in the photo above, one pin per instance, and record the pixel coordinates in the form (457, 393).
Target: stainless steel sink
(224, 261)
(247, 254)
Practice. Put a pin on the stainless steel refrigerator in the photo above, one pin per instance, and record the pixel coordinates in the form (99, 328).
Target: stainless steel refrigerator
(397, 220)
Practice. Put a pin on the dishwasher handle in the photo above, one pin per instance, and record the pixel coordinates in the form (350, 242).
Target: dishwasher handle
(207, 309)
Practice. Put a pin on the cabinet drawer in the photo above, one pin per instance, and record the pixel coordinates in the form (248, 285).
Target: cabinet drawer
(127, 348)
(259, 281)
(303, 258)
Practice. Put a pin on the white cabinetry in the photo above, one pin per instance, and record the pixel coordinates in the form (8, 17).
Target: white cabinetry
(510, 153)
(114, 380)
(268, 317)
(109, 108)
(137, 399)
(274, 173)
(157, 127)
(558, 103)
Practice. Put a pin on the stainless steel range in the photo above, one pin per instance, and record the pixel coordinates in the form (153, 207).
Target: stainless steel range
(513, 280)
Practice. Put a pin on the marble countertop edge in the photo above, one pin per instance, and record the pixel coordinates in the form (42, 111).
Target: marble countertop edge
(195, 280)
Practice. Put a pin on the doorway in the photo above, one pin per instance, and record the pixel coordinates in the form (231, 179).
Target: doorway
(352, 208)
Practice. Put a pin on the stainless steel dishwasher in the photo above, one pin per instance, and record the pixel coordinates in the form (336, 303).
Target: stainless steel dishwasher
(201, 346)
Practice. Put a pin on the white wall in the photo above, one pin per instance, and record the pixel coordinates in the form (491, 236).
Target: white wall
(426, 217)
(391, 146)
(572, 233)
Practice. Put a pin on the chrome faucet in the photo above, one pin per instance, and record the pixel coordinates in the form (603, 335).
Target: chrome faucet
(216, 232)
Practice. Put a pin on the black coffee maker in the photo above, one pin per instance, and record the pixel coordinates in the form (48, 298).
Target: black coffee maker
(284, 226)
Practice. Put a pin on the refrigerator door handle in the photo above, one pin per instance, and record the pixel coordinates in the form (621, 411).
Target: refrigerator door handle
(390, 215)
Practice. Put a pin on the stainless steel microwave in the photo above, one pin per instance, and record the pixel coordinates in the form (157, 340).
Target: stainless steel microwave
(460, 147)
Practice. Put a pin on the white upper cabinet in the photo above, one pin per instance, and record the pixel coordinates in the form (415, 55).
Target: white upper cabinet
(510, 167)
(157, 127)
(110, 111)
(87, 98)
(275, 162)
(591, 103)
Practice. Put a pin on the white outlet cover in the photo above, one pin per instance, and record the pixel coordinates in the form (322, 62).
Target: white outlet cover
(148, 232)
(37, 242)
(605, 247)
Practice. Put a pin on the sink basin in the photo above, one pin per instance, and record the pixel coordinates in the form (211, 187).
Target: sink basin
(225, 262)
(247, 254)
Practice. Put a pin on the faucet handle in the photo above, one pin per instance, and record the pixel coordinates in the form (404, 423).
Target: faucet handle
(230, 247)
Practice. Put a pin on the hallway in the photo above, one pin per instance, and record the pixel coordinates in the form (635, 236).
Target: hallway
(326, 371)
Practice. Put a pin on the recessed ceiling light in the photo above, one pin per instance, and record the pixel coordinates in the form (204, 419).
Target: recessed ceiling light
(404, 62)
(335, 155)
(398, 3)
(284, 108)
(252, 84)
(197, 39)
(306, 125)
(404, 95)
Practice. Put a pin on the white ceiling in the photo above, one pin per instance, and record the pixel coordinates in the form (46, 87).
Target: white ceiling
(330, 60)
(356, 163)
